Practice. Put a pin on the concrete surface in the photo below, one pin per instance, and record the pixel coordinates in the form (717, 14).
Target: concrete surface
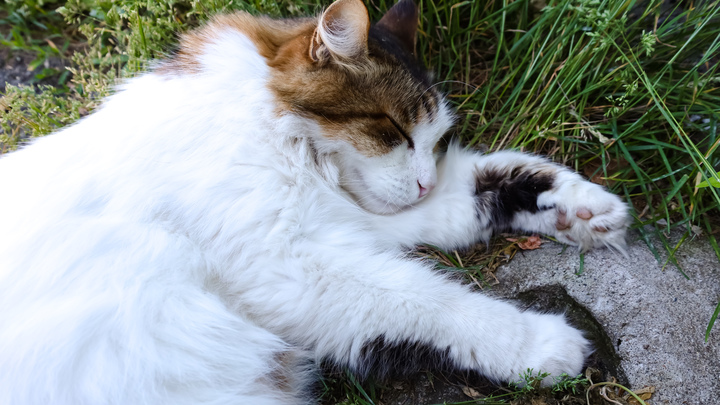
(656, 320)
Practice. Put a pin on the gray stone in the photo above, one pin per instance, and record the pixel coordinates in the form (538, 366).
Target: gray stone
(656, 319)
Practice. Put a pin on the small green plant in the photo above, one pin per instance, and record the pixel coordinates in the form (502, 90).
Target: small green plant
(567, 384)
(529, 382)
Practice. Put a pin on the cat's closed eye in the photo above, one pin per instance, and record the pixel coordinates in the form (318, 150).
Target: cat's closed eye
(407, 137)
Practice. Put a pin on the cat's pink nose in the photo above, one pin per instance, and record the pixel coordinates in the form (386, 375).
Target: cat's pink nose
(425, 189)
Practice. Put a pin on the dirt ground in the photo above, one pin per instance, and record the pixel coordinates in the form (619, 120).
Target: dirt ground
(14, 68)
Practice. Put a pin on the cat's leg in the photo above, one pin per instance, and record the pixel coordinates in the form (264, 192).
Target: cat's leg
(529, 193)
(381, 314)
(479, 194)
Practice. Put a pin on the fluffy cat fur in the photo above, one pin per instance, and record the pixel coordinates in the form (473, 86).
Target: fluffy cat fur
(244, 210)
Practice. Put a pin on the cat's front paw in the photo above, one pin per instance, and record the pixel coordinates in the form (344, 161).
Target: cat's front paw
(554, 347)
(584, 214)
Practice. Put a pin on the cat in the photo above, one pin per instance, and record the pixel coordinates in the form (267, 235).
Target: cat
(245, 209)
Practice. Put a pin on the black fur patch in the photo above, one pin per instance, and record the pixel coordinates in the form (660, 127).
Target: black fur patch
(501, 193)
(383, 359)
(384, 46)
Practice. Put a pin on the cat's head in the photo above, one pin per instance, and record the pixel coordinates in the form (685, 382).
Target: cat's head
(379, 115)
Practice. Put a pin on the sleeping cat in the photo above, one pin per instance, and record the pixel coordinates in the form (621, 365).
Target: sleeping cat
(244, 210)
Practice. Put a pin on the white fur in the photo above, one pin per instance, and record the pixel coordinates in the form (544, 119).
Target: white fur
(167, 248)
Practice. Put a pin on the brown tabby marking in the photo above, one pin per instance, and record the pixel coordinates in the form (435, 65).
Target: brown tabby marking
(359, 105)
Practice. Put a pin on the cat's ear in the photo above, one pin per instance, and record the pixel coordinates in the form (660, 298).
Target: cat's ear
(402, 22)
(342, 32)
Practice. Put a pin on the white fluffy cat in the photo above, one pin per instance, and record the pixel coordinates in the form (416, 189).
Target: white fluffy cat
(244, 210)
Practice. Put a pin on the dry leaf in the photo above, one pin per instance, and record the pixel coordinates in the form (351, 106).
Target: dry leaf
(52, 45)
(529, 243)
(471, 392)
(696, 230)
(643, 393)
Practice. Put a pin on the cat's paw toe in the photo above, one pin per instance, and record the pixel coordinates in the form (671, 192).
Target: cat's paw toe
(554, 347)
(588, 216)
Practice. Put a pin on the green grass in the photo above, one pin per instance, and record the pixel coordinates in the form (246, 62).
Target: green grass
(37, 28)
(626, 92)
